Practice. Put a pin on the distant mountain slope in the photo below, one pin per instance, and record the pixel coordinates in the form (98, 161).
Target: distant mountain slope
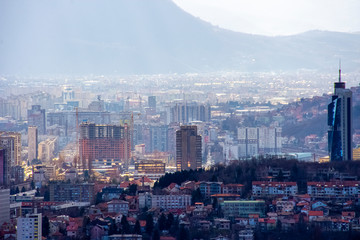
(149, 36)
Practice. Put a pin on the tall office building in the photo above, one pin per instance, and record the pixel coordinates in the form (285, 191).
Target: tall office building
(188, 148)
(4, 206)
(12, 140)
(340, 123)
(29, 227)
(104, 145)
(32, 143)
(36, 117)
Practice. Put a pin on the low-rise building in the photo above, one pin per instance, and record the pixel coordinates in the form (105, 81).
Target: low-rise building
(210, 188)
(178, 201)
(265, 189)
(118, 206)
(65, 191)
(334, 190)
(243, 208)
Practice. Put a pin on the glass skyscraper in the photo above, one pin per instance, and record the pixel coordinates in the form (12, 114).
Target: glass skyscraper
(340, 123)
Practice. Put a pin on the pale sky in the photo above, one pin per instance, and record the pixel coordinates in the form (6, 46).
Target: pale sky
(277, 17)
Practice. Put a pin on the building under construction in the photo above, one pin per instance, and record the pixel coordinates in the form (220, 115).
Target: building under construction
(104, 146)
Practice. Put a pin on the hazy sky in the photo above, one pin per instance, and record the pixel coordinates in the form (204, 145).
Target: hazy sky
(277, 17)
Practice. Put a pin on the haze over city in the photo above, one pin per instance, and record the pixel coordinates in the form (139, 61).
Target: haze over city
(164, 120)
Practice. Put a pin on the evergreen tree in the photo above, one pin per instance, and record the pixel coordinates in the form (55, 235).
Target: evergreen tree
(196, 196)
(149, 224)
(86, 222)
(170, 221)
(137, 228)
(17, 190)
(156, 235)
(23, 189)
(132, 189)
(162, 222)
(183, 234)
(45, 226)
(47, 195)
(32, 184)
(98, 198)
(125, 226)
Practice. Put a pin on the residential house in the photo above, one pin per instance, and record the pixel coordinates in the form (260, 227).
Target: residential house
(118, 206)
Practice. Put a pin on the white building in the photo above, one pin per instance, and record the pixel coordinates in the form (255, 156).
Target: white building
(274, 188)
(171, 201)
(259, 140)
(29, 227)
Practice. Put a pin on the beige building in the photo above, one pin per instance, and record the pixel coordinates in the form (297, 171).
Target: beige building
(32, 143)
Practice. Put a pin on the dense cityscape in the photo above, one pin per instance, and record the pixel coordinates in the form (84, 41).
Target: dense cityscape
(179, 120)
(91, 161)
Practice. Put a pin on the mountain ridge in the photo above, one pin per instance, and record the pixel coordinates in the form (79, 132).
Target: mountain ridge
(153, 36)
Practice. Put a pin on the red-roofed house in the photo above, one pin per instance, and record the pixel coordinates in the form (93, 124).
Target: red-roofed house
(314, 215)
(73, 230)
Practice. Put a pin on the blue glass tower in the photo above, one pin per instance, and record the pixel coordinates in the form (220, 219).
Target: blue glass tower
(340, 123)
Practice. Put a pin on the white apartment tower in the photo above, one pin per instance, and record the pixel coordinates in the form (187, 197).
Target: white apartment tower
(29, 227)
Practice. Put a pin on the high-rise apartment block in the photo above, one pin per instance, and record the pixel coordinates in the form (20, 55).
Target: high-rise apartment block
(187, 112)
(340, 123)
(188, 148)
(32, 143)
(12, 140)
(36, 117)
(259, 140)
(104, 145)
(29, 227)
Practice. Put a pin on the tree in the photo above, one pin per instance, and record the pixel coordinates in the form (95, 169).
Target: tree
(170, 221)
(45, 226)
(132, 189)
(17, 190)
(137, 228)
(47, 195)
(37, 194)
(23, 189)
(215, 203)
(98, 198)
(196, 196)
(162, 222)
(280, 176)
(125, 226)
(32, 184)
(183, 234)
(113, 228)
(149, 224)
(86, 222)
(156, 235)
